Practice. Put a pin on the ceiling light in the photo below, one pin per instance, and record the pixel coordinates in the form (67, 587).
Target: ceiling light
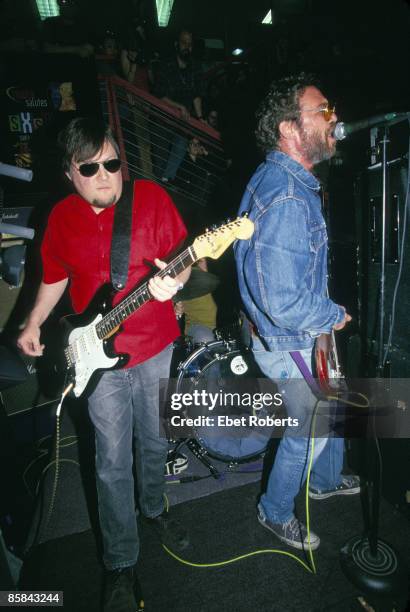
(47, 8)
(268, 17)
(237, 51)
(164, 8)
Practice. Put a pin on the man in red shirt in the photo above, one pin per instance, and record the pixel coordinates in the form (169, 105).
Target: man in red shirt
(124, 405)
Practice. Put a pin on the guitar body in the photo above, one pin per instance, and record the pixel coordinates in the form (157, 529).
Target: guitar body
(88, 355)
(326, 364)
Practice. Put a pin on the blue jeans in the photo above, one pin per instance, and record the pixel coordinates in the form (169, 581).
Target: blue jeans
(124, 409)
(292, 459)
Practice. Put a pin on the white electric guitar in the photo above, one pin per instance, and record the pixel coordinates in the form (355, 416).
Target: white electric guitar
(89, 336)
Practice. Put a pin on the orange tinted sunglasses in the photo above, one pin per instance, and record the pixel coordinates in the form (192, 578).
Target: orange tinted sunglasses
(326, 110)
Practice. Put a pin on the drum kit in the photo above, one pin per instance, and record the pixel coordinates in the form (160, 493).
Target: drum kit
(223, 365)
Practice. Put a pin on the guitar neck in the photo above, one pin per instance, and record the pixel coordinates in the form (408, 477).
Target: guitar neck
(141, 295)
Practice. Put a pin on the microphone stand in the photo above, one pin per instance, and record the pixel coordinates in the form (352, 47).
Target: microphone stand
(380, 364)
(369, 562)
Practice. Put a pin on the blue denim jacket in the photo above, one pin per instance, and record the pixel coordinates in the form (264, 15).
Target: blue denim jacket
(282, 269)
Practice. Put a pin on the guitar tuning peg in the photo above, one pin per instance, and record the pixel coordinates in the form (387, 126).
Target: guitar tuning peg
(214, 227)
(245, 214)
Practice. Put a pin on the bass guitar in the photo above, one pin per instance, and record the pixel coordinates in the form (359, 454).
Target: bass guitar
(88, 337)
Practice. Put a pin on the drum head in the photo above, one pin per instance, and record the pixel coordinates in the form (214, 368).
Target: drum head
(228, 372)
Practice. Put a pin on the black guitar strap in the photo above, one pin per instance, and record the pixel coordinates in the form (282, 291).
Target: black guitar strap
(121, 237)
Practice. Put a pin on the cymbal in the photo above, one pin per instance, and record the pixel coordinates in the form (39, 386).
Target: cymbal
(199, 283)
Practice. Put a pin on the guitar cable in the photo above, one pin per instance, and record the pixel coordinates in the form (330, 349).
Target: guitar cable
(56, 461)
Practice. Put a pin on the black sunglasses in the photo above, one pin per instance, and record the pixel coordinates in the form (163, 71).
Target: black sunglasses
(111, 165)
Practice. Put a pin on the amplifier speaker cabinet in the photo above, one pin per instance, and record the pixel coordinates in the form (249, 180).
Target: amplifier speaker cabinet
(397, 252)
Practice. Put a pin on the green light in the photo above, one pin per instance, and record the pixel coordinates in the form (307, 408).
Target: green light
(47, 8)
(268, 17)
(164, 8)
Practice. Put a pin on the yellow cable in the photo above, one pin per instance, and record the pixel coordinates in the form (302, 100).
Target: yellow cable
(338, 398)
(312, 561)
(234, 559)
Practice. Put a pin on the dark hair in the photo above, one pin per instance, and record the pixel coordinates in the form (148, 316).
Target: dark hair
(83, 138)
(280, 104)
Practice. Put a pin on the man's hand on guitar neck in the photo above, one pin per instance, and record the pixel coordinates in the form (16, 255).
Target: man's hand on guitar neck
(346, 319)
(163, 289)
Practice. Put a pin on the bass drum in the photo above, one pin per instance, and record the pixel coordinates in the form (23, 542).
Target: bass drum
(225, 367)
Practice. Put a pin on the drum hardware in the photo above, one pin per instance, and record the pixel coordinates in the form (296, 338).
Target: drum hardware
(200, 453)
(203, 456)
(222, 365)
(176, 462)
(197, 450)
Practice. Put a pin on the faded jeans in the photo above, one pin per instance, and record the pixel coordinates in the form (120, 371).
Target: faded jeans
(292, 459)
(124, 409)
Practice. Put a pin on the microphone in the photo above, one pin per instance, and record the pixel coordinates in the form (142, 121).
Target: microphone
(16, 172)
(345, 129)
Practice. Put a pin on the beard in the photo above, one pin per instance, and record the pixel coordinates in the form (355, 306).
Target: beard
(315, 145)
(98, 203)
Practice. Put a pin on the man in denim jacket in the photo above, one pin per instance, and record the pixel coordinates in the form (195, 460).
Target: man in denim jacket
(282, 273)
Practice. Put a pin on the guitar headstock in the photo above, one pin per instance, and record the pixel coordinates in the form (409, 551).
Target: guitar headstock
(216, 240)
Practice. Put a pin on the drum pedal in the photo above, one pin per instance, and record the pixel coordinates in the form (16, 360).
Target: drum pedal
(176, 463)
(200, 453)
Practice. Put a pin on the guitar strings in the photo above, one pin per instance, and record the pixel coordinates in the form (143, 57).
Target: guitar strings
(115, 316)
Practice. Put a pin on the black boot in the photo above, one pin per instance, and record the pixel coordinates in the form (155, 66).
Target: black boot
(122, 592)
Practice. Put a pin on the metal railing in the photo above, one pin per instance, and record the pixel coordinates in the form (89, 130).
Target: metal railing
(155, 143)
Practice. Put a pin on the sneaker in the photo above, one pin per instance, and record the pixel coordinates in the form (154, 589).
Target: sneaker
(122, 591)
(350, 486)
(172, 533)
(293, 532)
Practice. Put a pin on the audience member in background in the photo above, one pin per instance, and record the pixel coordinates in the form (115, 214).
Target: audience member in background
(202, 165)
(66, 33)
(107, 59)
(195, 173)
(212, 119)
(179, 84)
(134, 69)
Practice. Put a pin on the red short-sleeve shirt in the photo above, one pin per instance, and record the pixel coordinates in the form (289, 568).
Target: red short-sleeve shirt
(77, 246)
